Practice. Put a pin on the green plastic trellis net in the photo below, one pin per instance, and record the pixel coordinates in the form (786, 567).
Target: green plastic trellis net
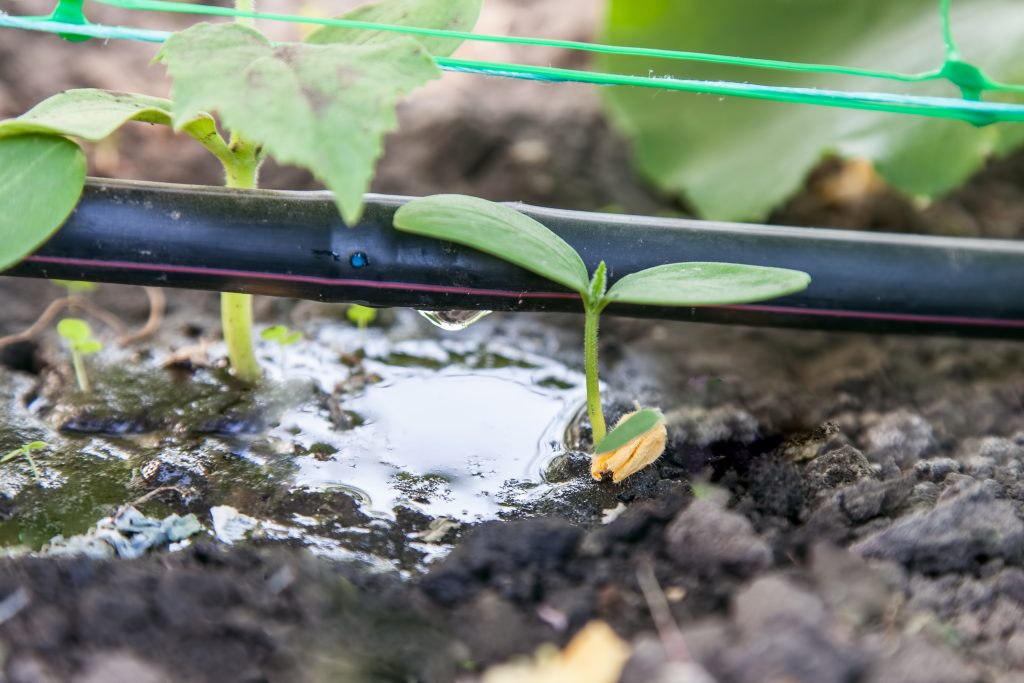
(68, 19)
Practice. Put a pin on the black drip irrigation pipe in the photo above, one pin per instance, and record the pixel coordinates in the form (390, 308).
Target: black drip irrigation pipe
(293, 244)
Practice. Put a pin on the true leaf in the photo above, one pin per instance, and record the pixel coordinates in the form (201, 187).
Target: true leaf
(598, 284)
(452, 15)
(636, 424)
(41, 179)
(736, 159)
(74, 329)
(322, 107)
(93, 115)
(704, 284)
(497, 230)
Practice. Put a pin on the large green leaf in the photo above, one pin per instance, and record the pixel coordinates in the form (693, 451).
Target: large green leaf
(497, 230)
(452, 15)
(41, 179)
(736, 159)
(93, 115)
(706, 284)
(322, 107)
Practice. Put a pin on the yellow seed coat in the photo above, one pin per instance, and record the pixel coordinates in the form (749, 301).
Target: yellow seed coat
(632, 456)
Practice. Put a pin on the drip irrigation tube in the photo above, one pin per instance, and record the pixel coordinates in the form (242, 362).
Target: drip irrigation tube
(293, 244)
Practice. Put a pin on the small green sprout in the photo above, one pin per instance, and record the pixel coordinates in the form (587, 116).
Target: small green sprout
(25, 451)
(510, 235)
(283, 337)
(281, 334)
(79, 337)
(361, 316)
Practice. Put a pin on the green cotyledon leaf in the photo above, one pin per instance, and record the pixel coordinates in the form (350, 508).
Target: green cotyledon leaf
(74, 329)
(41, 179)
(706, 284)
(322, 107)
(93, 115)
(497, 230)
(736, 159)
(452, 15)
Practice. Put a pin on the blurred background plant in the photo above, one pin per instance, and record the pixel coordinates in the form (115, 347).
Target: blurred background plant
(736, 159)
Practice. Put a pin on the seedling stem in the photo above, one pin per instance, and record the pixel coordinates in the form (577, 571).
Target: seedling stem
(594, 411)
(241, 171)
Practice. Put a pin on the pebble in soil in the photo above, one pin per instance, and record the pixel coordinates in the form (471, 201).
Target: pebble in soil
(379, 445)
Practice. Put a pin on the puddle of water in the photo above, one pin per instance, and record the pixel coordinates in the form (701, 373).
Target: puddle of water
(444, 442)
(415, 430)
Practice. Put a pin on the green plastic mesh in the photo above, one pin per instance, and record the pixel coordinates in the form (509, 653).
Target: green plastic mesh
(68, 20)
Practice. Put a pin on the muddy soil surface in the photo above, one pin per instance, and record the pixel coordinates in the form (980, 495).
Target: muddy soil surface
(831, 507)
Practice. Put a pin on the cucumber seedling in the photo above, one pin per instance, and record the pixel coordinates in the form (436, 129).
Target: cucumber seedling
(25, 451)
(323, 104)
(501, 231)
(77, 333)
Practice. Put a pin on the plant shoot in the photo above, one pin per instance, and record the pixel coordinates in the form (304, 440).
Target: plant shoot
(25, 451)
(510, 235)
(77, 333)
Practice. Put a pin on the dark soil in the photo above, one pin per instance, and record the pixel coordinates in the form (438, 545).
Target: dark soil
(831, 507)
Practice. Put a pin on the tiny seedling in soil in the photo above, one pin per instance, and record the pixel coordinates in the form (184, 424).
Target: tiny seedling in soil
(78, 334)
(25, 451)
(361, 316)
(323, 104)
(639, 438)
(283, 337)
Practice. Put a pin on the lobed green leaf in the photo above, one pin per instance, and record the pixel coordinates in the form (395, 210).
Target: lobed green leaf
(322, 107)
(41, 179)
(452, 15)
(706, 284)
(497, 230)
(640, 422)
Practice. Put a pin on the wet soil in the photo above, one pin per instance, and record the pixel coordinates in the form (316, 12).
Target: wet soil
(830, 508)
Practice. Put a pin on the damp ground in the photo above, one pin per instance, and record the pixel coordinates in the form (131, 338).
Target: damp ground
(380, 444)
(830, 508)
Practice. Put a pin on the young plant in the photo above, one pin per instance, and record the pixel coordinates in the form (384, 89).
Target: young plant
(78, 334)
(25, 451)
(282, 336)
(508, 234)
(361, 316)
(323, 104)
